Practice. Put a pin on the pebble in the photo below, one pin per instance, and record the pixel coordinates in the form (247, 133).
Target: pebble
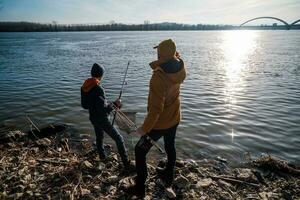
(181, 182)
(44, 142)
(85, 191)
(205, 182)
(113, 179)
(170, 193)
(224, 183)
(87, 164)
(126, 182)
(244, 174)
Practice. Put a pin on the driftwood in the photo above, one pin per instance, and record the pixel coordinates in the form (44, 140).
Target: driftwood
(234, 180)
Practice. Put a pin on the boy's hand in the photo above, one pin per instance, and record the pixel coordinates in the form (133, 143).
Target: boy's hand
(118, 103)
(177, 55)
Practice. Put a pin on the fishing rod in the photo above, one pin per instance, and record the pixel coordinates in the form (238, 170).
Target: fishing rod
(131, 123)
(121, 91)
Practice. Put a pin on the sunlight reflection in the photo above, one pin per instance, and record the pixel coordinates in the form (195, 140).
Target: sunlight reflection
(237, 46)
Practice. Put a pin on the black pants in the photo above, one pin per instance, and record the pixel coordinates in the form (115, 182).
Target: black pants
(115, 135)
(143, 146)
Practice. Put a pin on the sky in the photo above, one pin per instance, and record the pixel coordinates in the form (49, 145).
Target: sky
(232, 12)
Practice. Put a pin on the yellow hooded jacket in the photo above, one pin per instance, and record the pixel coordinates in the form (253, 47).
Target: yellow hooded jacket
(164, 95)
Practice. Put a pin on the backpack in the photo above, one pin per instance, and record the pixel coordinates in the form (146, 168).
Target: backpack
(84, 100)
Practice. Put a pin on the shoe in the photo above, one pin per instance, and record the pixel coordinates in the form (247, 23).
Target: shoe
(166, 175)
(129, 166)
(102, 156)
(137, 190)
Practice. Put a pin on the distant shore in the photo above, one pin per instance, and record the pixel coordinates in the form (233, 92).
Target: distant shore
(54, 27)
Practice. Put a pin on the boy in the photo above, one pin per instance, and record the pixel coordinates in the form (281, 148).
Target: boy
(93, 98)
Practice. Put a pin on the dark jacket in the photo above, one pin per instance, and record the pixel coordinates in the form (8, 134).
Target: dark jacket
(98, 107)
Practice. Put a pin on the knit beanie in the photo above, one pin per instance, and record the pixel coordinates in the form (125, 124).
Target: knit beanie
(97, 70)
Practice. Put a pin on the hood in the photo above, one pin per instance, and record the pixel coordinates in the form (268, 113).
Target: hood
(173, 69)
(89, 84)
(166, 50)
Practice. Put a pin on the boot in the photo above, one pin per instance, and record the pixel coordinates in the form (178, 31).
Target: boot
(129, 166)
(102, 155)
(138, 190)
(167, 175)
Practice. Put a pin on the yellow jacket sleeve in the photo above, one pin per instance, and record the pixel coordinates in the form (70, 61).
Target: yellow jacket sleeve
(156, 100)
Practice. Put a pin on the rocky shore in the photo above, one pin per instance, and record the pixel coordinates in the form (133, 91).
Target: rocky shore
(60, 167)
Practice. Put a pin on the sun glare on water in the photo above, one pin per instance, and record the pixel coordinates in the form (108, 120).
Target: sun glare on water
(237, 47)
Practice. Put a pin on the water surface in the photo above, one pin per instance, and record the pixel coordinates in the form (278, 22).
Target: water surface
(242, 92)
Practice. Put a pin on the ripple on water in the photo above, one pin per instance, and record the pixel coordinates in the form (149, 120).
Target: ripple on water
(232, 101)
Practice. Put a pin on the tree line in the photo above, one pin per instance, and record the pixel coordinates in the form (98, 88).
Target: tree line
(39, 27)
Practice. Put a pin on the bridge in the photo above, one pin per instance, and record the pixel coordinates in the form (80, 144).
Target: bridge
(295, 22)
(287, 25)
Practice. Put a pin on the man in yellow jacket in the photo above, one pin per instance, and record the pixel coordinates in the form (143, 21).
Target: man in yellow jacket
(163, 114)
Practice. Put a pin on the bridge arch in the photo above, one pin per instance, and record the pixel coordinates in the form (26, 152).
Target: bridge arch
(295, 22)
(275, 18)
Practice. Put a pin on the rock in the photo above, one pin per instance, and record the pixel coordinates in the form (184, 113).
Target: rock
(221, 159)
(27, 178)
(224, 184)
(85, 191)
(170, 193)
(181, 182)
(97, 188)
(106, 174)
(205, 182)
(32, 186)
(3, 195)
(19, 188)
(244, 174)
(109, 165)
(126, 182)
(87, 178)
(115, 157)
(11, 145)
(192, 178)
(86, 164)
(192, 163)
(37, 194)
(44, 142)
(101, 166)
(112, 190)
(113, 179)
(268, 195)
(16, 196)
(179, 163)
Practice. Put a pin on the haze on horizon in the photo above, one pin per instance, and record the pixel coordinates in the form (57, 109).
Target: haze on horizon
(137, 11)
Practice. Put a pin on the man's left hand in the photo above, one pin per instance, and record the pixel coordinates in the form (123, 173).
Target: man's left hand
(140, 131)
